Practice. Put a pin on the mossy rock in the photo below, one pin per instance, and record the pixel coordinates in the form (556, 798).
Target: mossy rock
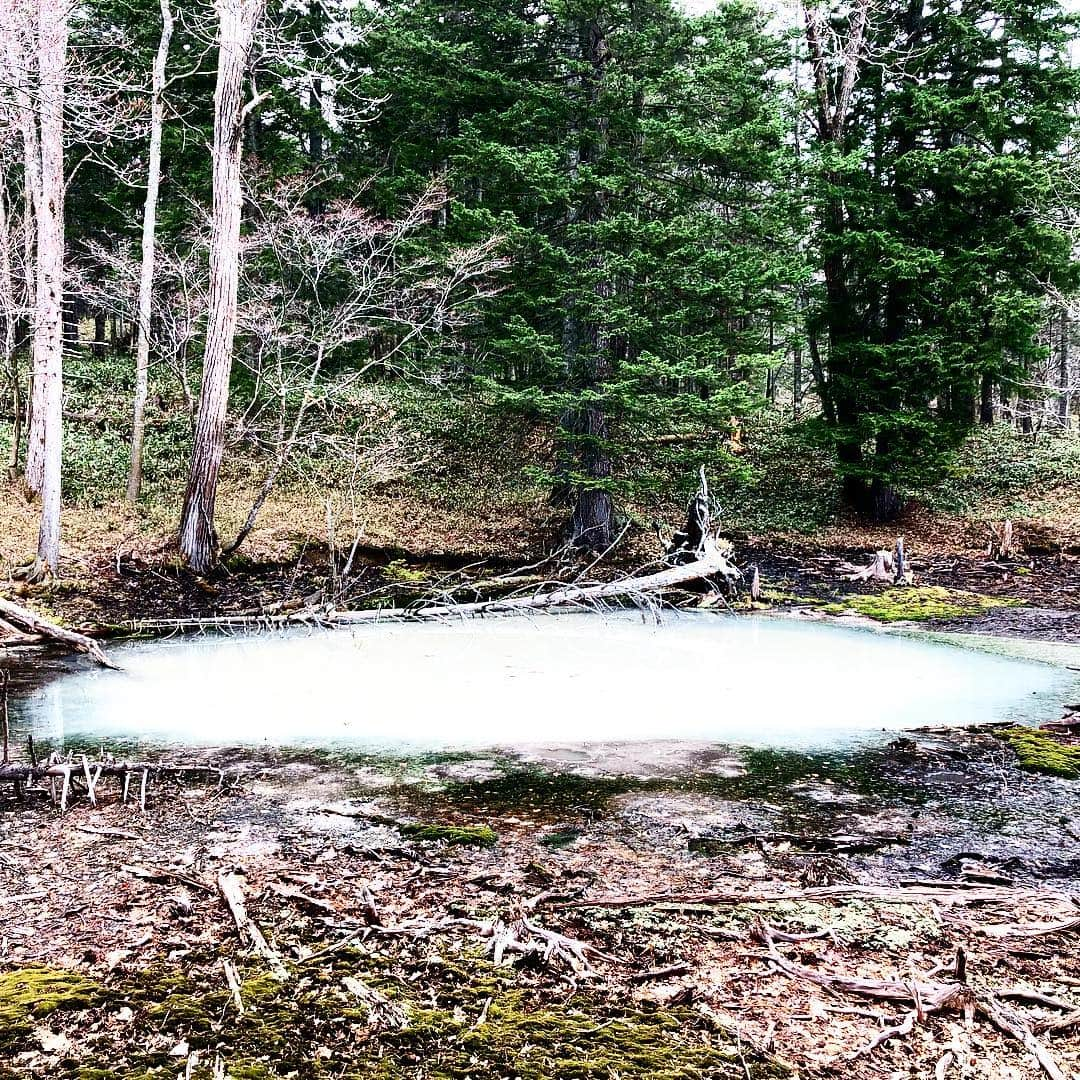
(1039, 752)
(28, 994)
(467, 835)
(906, 603)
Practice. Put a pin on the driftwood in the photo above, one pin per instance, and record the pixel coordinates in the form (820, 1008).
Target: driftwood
(39, 627)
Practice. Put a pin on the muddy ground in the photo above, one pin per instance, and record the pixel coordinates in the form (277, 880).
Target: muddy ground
(412, 906)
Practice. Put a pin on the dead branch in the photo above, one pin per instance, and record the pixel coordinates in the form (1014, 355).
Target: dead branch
(926, 996)
(36, 625)
(233, 894)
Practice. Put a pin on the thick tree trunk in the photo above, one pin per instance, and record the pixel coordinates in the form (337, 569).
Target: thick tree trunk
(236, 27)
(146, 273)
(49, 325)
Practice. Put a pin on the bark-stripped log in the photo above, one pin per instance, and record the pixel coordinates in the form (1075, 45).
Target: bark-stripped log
(35, 624)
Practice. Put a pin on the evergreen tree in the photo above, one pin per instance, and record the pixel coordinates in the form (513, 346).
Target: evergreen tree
(634, 159)
(938, 129)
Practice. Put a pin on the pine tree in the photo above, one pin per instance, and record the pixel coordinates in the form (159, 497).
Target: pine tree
(635, 161)
(937, 134)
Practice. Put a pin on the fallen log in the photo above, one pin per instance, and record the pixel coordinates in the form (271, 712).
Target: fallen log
(712, 564)
(232, 892)
(36, 626)
(709, 566)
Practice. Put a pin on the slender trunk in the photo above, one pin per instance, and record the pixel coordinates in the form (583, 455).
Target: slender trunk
(146, 273)
(986, 400)
(49, 328)
(9, 310)
(236, 27)
(18, 37)
(592, 522)
(1063, 370)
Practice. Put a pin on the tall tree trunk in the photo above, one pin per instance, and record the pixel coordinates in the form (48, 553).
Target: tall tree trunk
(49, 326)
(9, 311)
(1063, 370)
(236, 28)
(592, 522)
(146, 272)
(18, 35)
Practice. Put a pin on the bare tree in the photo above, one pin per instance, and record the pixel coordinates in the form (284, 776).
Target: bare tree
(146, 276)
(237, 20)
(343, 280)
(13, 301)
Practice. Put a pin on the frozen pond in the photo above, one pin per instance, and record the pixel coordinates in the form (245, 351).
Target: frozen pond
(549, 680)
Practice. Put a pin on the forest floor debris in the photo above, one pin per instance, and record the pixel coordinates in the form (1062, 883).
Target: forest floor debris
(280, 926)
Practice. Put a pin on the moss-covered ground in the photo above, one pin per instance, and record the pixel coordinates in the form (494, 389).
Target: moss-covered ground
(918, 603)
(1041, 752)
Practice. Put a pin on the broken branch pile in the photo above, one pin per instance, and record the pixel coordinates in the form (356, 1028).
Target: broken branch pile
(63, 774)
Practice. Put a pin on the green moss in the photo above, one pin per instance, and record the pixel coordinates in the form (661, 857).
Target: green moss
(28, 994)
(575, 1040)
(911, 603)
(772, 597)
(398, 571)
(1038, 751)
(468, 835)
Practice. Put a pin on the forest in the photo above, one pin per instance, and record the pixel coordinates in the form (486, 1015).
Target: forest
(258, 244)
(539, 539)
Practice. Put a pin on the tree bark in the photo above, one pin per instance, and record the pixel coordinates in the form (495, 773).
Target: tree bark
(9, 311)
(592, 522)
(236, 28)
(47, 439)
(986, 400)
(146, 273)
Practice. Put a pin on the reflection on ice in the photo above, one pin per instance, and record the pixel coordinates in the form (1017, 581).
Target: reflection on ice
(563, 678)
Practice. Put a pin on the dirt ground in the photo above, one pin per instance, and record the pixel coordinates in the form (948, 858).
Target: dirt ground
(696, 914)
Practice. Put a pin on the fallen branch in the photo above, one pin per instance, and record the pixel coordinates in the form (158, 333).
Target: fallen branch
(36, 625)
(233, 894)
(927, 997)
(884, 893)
(710, 565)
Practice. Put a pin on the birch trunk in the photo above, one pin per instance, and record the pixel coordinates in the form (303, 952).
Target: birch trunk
(146, 274)
(17, 35)
(9, 310)
(236, 27)
(49, 328)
